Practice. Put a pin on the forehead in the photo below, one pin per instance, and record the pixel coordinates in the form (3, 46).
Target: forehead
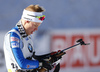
(36, 23)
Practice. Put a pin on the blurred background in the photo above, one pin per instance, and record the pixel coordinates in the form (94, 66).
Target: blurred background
(66, 22)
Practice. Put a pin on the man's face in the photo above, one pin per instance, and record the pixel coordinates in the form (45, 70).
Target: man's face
(31, 27)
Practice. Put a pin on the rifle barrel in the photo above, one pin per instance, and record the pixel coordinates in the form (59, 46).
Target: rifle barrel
(70, 47)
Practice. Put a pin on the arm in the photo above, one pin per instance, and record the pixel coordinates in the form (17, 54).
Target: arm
(18, 55)
(53, 59)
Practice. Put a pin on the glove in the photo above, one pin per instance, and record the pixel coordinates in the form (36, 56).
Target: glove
(47, 65)
(42, 70)
(56, 56)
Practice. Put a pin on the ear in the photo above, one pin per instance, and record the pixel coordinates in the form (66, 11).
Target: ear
(27, 21)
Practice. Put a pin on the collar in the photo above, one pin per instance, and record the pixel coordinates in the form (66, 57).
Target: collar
(21, 29)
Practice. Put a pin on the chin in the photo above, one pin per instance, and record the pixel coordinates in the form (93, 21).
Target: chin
(31, 33)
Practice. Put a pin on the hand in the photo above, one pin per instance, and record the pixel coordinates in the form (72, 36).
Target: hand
(56, 55)
(47, 65)
(42, 70)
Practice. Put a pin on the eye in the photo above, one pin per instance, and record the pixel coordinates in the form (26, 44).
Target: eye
(37, 24)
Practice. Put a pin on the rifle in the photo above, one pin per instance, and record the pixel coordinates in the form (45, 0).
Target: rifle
(54, 59)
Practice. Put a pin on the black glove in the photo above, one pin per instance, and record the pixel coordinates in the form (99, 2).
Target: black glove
(56, 56)
(47, 65)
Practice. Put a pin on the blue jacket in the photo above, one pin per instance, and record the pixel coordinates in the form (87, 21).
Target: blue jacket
(18, 46)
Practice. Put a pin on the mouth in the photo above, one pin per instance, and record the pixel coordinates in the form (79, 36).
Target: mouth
(32, 32)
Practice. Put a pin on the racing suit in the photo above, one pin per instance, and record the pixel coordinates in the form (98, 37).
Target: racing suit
(18, 48)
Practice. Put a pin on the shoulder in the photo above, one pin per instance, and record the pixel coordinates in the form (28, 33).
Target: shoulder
(12, 36)
(14, 32)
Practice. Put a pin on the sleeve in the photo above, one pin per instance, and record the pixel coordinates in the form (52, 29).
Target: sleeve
(18, 55)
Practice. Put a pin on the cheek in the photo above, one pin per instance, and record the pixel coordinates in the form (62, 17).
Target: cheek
(31, 26)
